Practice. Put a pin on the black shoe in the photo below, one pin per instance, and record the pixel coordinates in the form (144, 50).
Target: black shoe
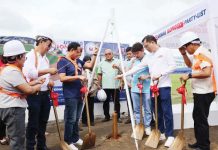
(42, 148)
(92, 124)
(105, 120)
(84, 125)
(195, 145)
(119, 120)
(198, 148)
(127, 121)
(80, 128)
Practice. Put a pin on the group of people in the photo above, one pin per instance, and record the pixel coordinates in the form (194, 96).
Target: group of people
(155, 68)
(25, 82)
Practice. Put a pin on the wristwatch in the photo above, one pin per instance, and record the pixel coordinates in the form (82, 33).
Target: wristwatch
(190, 75)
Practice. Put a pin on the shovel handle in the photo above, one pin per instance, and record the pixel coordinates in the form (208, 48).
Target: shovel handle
(140, 107)
(57, 122)
(156, 115)
(182, 116)
(87, 112)
(56, 117)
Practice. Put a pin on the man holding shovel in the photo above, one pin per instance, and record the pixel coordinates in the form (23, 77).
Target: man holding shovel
(203, 86)
(37, 66)
(142, 75)
(70, 73)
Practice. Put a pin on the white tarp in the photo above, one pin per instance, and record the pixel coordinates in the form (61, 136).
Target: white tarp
(202, 19)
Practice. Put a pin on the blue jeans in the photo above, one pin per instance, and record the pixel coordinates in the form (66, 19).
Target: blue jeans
(39, 110)
(146, 105)
(165, 112)
(72, 113)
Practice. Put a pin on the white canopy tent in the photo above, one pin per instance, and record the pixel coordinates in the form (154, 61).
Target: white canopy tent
(202, 19)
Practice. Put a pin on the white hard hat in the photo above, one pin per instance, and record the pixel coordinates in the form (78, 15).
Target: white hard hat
(13, 48)
(101, 95)
(187, 37)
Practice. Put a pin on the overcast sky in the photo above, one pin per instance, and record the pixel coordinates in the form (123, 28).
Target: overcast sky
(87, 19)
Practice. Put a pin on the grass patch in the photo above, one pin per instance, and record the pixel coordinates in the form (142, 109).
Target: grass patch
(176, 98)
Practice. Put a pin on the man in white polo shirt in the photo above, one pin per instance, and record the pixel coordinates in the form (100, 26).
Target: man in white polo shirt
(160, 63)
(202, 85)
(37, 66)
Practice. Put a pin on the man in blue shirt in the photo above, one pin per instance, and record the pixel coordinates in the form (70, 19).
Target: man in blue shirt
(143, 75)
(70, 72)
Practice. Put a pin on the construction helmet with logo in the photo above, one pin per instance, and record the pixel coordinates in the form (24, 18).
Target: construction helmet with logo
(101, 95)
(13, 48)
(188, 37)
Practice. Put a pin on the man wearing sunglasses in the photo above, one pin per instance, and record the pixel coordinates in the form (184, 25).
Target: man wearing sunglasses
(107, 71)
(203, 85)
(37, 66)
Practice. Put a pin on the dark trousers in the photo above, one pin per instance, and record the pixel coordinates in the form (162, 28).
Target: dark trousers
(2, 130)
(14, 119)
(130, 101)
(91, 110)
(165, 112)
(39, 109)
(200, 114)
(115, 94)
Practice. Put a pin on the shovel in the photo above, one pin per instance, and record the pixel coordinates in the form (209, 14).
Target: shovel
(89, 139)
(139, 128)
(179, 142)
(63, 144)
(154, 137)
(115, 117)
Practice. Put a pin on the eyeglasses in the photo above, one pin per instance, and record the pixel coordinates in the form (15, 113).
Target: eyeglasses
(107, 54)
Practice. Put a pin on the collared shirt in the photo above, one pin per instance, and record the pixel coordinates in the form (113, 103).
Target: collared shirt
(159, 63)
(128, 64)
(201, 86)
(10, 78)
(31, 72)
(108, 74)
(135, 81)
(71, 89)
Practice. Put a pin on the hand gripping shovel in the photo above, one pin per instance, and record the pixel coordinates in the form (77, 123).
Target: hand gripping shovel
(179, 142)
(89, 139)
(139, 128)
(154, 137)
(54, 97)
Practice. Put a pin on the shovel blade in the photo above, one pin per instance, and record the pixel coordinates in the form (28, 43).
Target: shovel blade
(89, 140)
(153, 139)
(64, 146)
(178, 143)
(139, 131)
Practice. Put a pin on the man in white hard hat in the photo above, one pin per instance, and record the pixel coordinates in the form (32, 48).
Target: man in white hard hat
(202, 80)
(37, 66)
(13, 90)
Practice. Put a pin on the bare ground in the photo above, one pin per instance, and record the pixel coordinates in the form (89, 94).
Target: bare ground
(125, 142)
